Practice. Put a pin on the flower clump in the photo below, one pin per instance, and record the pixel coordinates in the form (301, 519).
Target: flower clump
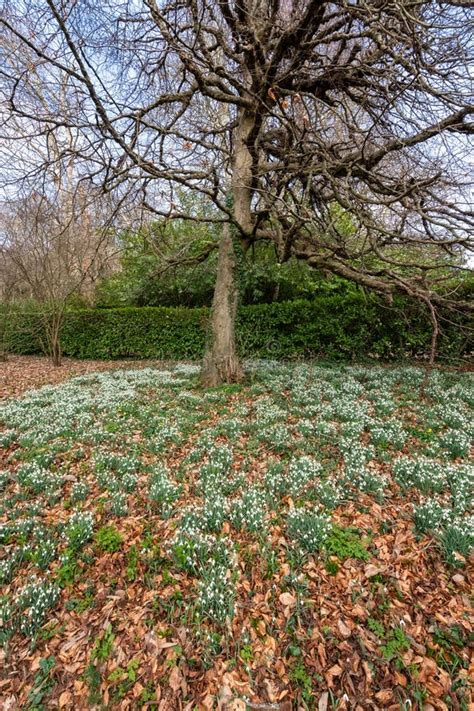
(78, 529)
(457, 539)
(216, 594)
(426, 475)
(301, 472)
(215, 470)
(429, 515)
(389, 433)
(248, 511)
(163, 492)
(32, 604)
(79, 491)
(37, 479)
(308, 528)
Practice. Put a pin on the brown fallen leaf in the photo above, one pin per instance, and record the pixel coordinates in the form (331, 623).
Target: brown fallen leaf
(333, 672)
(65, 699)
(323, 701)
(344, 629)
(373, 570)
(175, 679)
(235, 705)
(384, 695)
(400, 679)
(272, 691)
(287, 599)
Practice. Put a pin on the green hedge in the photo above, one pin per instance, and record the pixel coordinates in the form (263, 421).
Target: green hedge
(346, 326)
(340, 326)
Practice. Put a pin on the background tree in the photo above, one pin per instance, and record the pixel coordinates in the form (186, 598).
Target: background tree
(56, 225)
(147, 279)
(8, 281)
(50, 259)
(280, 114)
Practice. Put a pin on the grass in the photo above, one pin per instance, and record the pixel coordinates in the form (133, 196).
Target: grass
(311, 506)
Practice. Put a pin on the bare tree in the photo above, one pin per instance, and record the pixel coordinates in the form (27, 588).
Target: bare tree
(56, 225)
(285, 114)
(53, 254)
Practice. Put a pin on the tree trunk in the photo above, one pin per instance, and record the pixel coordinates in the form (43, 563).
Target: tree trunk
(53, 326)
(56, 354)
(3, 337)
(221, 363)
(56, 350)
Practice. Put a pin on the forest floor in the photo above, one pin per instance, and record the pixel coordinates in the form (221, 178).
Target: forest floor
(21, 373)
(300, 541)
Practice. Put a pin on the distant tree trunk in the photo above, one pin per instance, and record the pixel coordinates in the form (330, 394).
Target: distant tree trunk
(3, 334)
(50, 340)
(221, 363)
(56, 354)
(55, 340)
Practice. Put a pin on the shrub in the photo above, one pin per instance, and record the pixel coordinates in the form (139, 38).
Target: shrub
(338, 326)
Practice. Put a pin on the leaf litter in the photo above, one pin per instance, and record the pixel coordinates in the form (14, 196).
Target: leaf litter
(263, 555)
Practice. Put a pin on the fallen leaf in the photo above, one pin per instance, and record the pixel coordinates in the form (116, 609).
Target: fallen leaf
(323, 701)
(287, 599)
(400, 679)
(333, 672)
(175, 679)
(373, 570)
(384, 695)
(64, 699)
(235, 705)
(344, 629)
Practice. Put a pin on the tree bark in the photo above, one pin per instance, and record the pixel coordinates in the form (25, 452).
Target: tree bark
(56, 354)
(52, 337)
(221, 363)
(3, 333)
(56, 350)
(242, 176)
